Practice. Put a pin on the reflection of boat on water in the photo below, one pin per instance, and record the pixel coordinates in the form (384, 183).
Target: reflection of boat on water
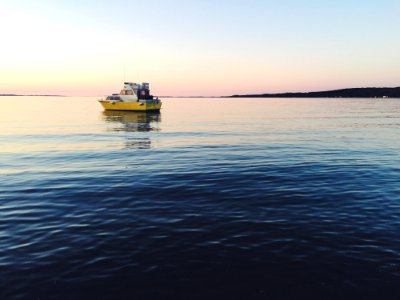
(133, 121)
(133, 97)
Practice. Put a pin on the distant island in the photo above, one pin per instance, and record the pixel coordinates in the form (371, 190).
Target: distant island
(9, 95)
(370, 92)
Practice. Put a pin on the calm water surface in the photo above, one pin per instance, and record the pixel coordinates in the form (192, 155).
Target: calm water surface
(210, 199)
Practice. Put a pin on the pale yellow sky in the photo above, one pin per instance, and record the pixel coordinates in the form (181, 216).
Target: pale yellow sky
(191, 48)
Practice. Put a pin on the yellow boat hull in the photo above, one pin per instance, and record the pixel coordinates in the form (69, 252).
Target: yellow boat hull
(130, 106)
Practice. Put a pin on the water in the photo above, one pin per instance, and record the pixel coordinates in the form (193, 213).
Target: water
(211, 199)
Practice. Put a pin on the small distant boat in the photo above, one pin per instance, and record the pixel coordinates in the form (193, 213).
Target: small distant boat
(133, 97)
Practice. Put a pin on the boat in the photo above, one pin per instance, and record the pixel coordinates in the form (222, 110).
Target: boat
(133, 97)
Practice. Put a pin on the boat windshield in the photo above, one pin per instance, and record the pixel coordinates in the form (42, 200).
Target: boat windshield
(113, 98)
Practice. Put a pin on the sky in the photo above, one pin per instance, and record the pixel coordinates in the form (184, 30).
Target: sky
(202, 47)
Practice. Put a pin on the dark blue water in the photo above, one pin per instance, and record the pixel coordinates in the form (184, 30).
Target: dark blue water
(211, 199)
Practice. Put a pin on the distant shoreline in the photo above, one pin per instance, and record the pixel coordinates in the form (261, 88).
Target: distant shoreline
(16, 95)
(373, 92)
(368, 92)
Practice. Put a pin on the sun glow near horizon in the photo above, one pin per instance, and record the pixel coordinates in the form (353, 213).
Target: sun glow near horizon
(190, 48)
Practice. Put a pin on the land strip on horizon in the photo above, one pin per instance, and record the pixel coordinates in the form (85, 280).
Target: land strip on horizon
(369, 92)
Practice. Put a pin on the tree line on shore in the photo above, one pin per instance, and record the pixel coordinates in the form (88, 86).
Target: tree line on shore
(342, 93)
